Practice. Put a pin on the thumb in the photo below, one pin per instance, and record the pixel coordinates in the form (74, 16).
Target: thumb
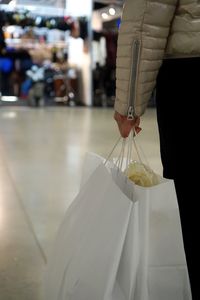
(137, 121)
(138, 129)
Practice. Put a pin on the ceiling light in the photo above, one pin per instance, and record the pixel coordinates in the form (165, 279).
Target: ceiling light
(104, 16)
(12, 3)
(112, 11)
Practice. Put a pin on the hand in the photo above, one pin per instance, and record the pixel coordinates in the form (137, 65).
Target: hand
(125, 126)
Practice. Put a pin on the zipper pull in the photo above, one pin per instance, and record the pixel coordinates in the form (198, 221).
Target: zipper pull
(130, 115)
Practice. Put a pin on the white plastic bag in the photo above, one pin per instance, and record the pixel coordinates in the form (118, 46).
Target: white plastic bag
(118, 241)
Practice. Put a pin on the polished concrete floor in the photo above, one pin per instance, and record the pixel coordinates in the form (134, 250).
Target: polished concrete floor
(41, 156)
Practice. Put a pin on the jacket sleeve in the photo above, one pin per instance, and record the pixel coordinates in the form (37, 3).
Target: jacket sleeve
(141, 47)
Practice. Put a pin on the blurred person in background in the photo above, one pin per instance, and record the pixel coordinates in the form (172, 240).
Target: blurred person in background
(159, 45)
(2, 41)
(2, 38)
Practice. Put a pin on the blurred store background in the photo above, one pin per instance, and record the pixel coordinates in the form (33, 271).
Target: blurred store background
(58, 52)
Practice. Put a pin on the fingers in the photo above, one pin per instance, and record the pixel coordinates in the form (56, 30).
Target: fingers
(125, 126)
(125, 129)
(138, 129)
(137, 121)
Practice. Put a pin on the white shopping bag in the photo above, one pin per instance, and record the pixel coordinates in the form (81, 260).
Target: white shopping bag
(88, 247)
(118, 241)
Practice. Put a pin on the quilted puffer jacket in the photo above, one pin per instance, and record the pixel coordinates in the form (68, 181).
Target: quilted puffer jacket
(150, 31)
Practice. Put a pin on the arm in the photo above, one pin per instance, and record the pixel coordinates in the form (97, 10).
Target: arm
(141, 47)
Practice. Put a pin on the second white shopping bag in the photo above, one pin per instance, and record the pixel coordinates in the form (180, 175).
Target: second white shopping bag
(152, 265)
(118, 241)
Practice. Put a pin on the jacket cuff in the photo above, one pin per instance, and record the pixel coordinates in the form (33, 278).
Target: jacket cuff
(120, 107)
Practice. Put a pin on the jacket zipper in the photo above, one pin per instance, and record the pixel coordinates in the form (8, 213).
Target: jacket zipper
(133, 83)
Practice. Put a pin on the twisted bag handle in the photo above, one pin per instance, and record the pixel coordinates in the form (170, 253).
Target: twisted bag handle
(126, 152)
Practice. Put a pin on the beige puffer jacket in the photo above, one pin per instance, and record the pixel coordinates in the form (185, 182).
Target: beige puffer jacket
(152, 30)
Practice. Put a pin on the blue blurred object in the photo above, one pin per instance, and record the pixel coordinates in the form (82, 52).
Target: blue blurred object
(26, 85)
(6, 65)
(118, 22)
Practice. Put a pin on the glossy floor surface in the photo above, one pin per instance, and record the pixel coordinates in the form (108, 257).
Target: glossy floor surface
(41, 156)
